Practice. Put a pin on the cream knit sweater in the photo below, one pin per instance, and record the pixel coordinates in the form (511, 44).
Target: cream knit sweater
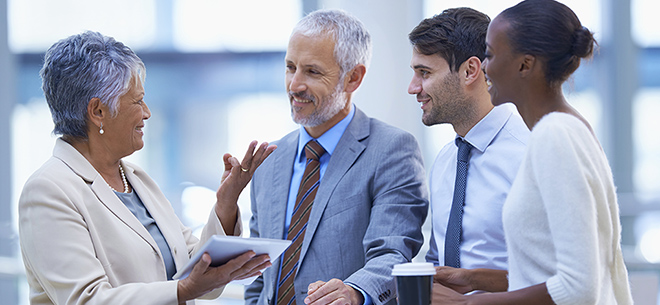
(561, 218)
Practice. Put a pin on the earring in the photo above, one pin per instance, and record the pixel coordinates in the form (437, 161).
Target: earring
(101, 131)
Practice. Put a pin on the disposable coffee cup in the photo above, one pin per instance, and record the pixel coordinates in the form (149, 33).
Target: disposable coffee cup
(414, 282)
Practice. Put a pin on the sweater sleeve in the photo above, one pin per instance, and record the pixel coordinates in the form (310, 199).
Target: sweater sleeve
(561, 166)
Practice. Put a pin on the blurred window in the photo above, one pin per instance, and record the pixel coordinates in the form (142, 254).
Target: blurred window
(588, 11)
(646, 125)
(34, 25)
(196, 25)
(237, 26)
(645, 26)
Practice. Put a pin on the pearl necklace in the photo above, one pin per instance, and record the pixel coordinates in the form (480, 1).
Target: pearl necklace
(123, 179)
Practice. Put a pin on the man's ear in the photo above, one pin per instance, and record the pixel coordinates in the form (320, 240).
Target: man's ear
(96, 111)
(527, 65)
(354, 78)
(471, 70)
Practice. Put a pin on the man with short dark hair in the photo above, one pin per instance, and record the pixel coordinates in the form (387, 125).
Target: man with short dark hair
(472, 175)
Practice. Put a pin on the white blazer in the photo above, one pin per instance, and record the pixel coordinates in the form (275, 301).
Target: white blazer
(81, 245)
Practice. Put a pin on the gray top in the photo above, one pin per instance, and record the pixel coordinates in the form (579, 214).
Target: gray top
(135, 205)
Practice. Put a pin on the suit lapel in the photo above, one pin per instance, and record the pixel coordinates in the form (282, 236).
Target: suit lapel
(279, 168)
(78, 164)
(117, 207)
(282, 170)
(346, 153)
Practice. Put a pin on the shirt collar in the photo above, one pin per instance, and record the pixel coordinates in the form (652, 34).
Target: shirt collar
(329, 139)
(483, 133)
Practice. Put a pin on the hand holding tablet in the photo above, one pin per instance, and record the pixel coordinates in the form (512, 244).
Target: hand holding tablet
(224, 248)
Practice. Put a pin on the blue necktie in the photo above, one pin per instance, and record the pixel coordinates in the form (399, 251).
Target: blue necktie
(454, 227)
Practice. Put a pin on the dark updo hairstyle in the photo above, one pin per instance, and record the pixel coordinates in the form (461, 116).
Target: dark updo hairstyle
(552, 31)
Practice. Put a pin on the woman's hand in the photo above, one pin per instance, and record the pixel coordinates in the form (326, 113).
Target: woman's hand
(203, 278)
(457, 279)
(243, 171)
(466, 280)
(234, 179)
(444, 295)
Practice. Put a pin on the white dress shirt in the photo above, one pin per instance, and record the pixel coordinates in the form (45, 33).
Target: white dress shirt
(498, 142)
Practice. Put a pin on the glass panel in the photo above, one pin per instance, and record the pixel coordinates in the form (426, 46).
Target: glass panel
(32, 144)
(645, 22)
(589, 105)
(490, 8)
(647, 234)
(261, 117)
(34, 25)
(646, 107)
(217, 25)
(587, 10)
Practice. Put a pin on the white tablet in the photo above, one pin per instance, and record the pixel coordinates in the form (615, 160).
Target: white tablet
(224, 248)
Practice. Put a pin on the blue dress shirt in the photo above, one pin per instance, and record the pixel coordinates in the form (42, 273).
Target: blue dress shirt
(329, 141)
(135, 205)
(499, 142)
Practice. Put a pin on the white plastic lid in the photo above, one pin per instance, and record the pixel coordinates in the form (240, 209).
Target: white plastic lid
(413, 269)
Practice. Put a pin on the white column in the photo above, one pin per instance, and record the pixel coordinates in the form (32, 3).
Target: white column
(618, 85)
(384, 92)
(8, 240)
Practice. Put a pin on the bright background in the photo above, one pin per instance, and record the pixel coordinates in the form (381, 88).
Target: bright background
(215, 82)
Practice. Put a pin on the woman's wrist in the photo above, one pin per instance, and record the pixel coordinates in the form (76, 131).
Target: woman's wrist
(228, 216)
(225, 207)
(182, 293)
(490, 280)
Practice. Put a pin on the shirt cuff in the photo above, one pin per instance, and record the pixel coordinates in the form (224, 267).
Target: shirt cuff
(367, 298)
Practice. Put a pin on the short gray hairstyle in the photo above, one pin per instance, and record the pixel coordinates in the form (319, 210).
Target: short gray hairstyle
(85, 66)
(352, 40)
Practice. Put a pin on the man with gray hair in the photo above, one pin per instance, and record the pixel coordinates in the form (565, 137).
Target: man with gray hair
(348, 190)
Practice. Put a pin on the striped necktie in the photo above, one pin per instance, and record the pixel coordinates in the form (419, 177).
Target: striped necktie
(306, 194)
(455, 225)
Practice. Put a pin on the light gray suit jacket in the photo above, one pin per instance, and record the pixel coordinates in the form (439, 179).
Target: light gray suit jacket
(367, 215)
(81, 244)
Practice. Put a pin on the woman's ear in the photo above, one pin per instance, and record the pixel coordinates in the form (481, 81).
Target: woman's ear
(354, 78)
(96, 111)
(527, 65)
(471, 70)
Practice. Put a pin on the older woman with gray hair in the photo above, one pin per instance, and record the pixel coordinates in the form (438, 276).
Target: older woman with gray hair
(96, 229)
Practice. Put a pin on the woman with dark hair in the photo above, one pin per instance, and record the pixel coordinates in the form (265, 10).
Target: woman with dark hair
(561, 217)
(95, 229)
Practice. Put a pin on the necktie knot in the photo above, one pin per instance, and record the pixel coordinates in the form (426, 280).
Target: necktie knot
(463, 150)
(314, 150)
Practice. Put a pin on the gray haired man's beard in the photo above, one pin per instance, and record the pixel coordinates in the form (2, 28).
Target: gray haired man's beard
(325, 110)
